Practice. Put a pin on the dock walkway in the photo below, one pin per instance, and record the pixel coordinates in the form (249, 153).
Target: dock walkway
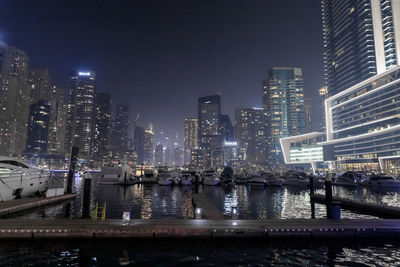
(209, 210)
(374, 209)
(178, 228)
(17, 205)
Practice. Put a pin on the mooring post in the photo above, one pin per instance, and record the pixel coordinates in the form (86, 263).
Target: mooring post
(328, 188)
(311, 184)
(86, 198)
(74, 157)
(196, 183)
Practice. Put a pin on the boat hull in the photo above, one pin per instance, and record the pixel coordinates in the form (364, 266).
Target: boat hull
(26, 184)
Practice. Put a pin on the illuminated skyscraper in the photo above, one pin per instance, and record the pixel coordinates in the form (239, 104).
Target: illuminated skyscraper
(14, 100)
(38, 127)
(308, 112)
(209, 116)
(361, 39)
(283, 103)
(120, 132)
(149, 145)
(159, 155)
(138, 143)
(227, 128)
(102, 132)
(190, 138)
(81, 113)
(251, 135)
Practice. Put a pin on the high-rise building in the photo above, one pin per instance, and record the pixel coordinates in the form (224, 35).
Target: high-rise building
(308, 112)
(190, 138)
(120, 132)
(41, 88)
(361, 39)
(81, 113)
(102, 131)
(138, 143)
(323, 94)
(38, 127)
(283, 103)
(159, 155)
(227, 130)
(149, 145)
(14, 100)
(251, 135)
(209, 135)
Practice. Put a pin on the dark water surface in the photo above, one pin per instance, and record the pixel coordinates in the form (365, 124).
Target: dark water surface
(154, 201)
(199, 253)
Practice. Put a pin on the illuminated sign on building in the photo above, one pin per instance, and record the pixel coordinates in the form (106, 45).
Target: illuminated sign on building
(227, 143)
(84, 73)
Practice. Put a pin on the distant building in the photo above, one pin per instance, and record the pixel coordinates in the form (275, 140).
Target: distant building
(227, 130)
(14, 100)
(41, 88)
(149, 145)
(190, 138)
(120, 132)
(251, 135)
(138, 143)
(38, 127)
(361, 39)
(308, 112)
(209, 135)
(81, 113)
(323, 95)
(168, 156)
(102, 132)
(197, 160)
(159, 155)
(283, 103)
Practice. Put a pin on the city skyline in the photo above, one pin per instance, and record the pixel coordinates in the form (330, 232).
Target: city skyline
(236, 73)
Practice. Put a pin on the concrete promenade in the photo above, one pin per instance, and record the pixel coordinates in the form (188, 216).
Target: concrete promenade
(363, 207)
(17, 205)
(179, 228)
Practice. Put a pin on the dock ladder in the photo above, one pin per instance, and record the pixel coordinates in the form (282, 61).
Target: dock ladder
(100, 210)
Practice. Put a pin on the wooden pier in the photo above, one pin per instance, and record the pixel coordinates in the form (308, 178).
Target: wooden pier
(206, 229)
(379, 210)
(17, 205)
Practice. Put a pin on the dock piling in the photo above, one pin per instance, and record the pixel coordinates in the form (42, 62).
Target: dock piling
(311, 184)
(86, 198)
(74, 157)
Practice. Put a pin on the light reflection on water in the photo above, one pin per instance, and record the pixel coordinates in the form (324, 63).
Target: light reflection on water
(154, 201)
(199, 253)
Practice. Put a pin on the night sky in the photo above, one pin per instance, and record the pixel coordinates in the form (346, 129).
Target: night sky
(162, 55)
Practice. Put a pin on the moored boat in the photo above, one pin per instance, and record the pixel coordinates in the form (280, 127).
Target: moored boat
(18, 179)
(381, 181)
(210, 178)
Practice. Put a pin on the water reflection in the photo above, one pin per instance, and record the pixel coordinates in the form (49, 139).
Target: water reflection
(153, 201)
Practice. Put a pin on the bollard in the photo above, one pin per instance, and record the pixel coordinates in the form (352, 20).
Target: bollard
(198, 213)
(86, 198)
(74, 157)
(328, 189)
(311, 184)
(333, 210)
(196, 183)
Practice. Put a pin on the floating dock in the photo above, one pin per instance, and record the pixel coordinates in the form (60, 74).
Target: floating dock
(379, 210)
(208, 209)
(206, 229)
(17, 205)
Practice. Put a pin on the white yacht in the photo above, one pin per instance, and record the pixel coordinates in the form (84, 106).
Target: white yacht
(381, 181)
(165, 178)
(210, 178)
(18, 179)
(115, 174)
(272, 180)
(256, 180)
(350, 179)
(186, 178)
